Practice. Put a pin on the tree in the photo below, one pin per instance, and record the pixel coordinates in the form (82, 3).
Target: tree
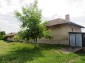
(2, 35)
(19, 36)
(31, 22)
(16, 37)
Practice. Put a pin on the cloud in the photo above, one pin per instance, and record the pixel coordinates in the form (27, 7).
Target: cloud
(74, 1)
(51, 9)
(9, 24)
(75, 8)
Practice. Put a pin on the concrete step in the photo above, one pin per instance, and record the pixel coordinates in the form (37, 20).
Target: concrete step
(70, 49)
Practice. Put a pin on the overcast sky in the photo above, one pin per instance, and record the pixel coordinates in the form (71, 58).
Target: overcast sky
(51, 9)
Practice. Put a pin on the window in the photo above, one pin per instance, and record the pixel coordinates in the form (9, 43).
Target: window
(72, 29)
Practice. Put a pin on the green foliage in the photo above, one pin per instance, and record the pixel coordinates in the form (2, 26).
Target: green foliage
(16, 52)
(2, 35)
(19, 36)
(16, 37)
(31, 22)
(47, 34)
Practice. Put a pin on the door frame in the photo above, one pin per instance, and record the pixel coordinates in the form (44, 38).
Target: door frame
(75, 37)
(83, 40)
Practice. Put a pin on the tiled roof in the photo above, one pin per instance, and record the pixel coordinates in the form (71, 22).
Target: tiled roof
(11, 34)
(60, 21)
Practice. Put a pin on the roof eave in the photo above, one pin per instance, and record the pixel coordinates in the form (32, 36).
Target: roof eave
(77, 25)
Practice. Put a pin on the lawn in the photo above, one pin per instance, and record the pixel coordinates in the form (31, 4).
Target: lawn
(16, 52)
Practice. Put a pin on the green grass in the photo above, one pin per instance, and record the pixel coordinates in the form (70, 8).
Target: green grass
(16, 52)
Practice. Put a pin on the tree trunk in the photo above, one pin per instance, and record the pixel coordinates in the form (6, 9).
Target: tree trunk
(35, 40)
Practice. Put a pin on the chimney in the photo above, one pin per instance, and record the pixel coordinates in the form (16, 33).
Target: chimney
(67, 17)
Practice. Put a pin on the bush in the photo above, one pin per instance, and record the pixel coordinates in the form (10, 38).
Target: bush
(2, 35)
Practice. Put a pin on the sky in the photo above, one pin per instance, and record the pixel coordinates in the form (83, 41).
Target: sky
(51, 9)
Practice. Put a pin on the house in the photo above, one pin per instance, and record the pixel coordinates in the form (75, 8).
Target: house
(9, 36)
(60, 29)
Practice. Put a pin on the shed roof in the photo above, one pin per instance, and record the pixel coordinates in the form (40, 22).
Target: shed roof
(10, 34)
(60, 21)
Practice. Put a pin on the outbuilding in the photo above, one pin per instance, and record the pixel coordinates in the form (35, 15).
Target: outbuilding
(9, 37)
